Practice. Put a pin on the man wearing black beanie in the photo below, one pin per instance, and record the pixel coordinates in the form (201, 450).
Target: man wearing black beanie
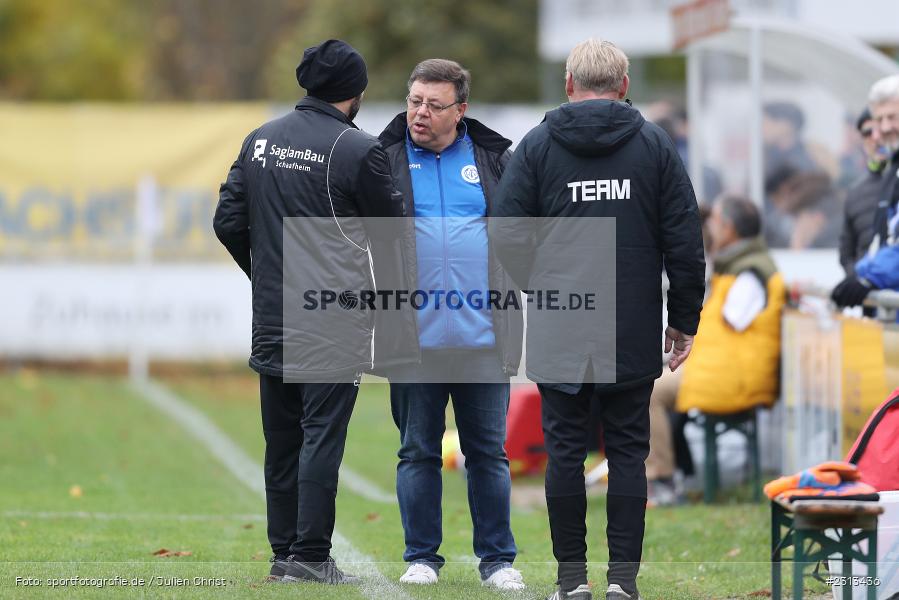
(307, 183)
(332, 71)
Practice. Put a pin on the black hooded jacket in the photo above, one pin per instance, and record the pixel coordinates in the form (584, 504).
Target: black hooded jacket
(600, 158)
(859, 211)
(294, 215)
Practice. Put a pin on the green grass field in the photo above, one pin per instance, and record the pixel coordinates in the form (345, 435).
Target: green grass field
(95, 480)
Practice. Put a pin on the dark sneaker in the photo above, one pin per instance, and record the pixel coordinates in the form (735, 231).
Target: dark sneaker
(616, 593)
(277, 570)
(581, 592)
(323, 572)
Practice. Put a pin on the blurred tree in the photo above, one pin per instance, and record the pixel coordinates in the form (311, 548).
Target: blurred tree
(216, 49)
(496, 41)
(63, 50)
(239, 50)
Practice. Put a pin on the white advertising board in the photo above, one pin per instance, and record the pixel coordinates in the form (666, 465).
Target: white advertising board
(177, 311)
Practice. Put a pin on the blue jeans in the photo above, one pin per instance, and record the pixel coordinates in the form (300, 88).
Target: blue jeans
(419, 411)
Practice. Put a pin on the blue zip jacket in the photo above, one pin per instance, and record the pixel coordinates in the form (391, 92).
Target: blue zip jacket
(451, 246)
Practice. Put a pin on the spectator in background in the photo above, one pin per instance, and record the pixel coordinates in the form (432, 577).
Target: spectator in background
(736, 354)
(782, 125)
(879, 268)
(675, 123)
(861, 199)
(852, 160)
(803, 209)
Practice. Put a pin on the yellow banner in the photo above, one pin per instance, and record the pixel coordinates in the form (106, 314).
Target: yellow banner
(70, 174)
(864, 375)
(891, 354)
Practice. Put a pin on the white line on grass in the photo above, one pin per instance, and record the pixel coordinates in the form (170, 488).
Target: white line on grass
(244, 467)
(358, 484)
(103, 516)
(374, 585)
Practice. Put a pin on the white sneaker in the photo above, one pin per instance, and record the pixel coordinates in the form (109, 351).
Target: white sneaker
(506, 579)
(420, 574)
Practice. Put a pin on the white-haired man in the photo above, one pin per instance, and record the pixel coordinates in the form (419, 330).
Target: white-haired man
(559, 171)
(879, 268)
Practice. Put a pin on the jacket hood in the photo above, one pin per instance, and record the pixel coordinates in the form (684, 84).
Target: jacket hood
(594, 127)
(479, 133)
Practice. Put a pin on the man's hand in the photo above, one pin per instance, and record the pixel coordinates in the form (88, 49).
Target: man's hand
(850, 292)
(679, 344)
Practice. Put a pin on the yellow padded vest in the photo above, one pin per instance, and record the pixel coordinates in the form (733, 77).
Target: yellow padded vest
(729, 371)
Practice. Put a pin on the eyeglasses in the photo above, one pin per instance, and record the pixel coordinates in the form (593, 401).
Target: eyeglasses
(433, 107)
(866, 133)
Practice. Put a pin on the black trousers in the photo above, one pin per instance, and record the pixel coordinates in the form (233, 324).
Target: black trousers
(305, 426)
(624, 416)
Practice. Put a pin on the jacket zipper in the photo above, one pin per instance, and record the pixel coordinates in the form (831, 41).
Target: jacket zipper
(447, 320)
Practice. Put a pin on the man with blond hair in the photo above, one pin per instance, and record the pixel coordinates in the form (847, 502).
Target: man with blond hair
(597, 157)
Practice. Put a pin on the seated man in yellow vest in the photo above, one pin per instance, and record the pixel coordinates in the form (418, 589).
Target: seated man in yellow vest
(734, 365)
(737, 347)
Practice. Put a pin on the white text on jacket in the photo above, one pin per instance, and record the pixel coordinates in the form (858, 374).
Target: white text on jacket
(600, 189)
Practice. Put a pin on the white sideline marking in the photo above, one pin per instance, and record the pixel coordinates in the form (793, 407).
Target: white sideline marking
(358, 484)
(102, 516)
(374, 584)
(243, 466)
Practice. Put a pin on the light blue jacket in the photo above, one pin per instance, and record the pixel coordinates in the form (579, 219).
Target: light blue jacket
(451, 246)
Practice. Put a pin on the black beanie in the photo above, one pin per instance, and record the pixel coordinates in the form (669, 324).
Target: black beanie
(332, 71)
(865, 116)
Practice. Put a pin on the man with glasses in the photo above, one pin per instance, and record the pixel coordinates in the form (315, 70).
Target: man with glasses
(448, 166)
(861, 199)
(879, 267)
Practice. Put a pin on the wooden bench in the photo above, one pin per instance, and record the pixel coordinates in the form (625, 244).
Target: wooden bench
(802, 525)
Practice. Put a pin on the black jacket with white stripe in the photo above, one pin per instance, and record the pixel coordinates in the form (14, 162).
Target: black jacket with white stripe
(294, 214)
